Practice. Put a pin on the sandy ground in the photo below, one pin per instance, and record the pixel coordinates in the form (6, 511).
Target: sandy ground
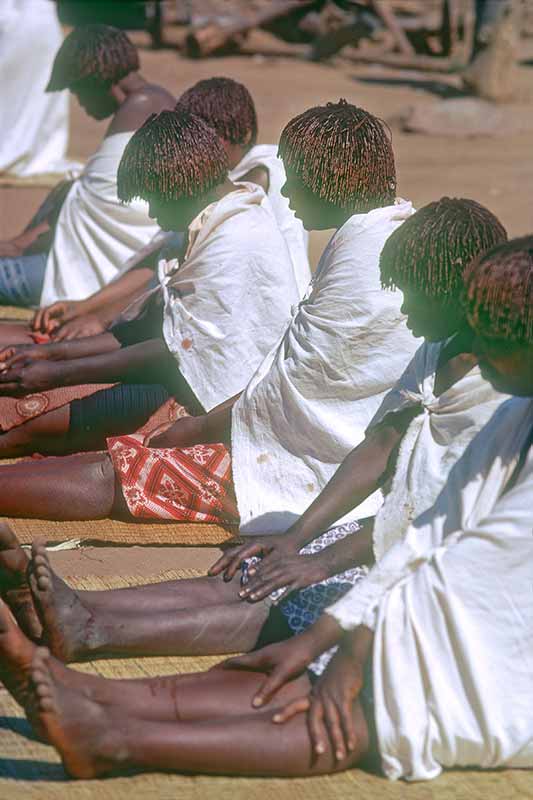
(495, 171)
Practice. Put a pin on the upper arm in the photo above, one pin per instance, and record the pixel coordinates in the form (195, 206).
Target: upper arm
(258, 175)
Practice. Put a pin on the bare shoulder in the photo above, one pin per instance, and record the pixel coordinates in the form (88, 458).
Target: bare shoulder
(258, 175)
(136, 109)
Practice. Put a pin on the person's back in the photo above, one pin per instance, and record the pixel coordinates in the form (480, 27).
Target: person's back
(94, 234)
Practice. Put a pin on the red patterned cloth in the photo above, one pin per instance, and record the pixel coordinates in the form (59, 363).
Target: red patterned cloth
(192, 484)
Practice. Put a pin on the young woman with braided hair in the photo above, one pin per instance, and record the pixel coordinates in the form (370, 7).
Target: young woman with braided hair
(434, 669)
(235, 257)
(421, 429)
(229, 110)
(334, 372)
(94, 234)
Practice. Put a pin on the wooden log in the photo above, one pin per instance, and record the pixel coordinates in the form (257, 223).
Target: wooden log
(208, 39)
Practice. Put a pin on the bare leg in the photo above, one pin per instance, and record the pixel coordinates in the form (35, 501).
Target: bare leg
(191, 696)
(94, 739)
(73, 629)
(72, 487)
(45, 434)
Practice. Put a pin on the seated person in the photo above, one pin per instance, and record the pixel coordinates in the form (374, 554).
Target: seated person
(228, 108)
(422, 428)
(441, 623)
(95, 233)
(311, 399)
(235, 258)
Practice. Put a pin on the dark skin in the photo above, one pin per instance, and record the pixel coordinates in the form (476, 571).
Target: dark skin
(200, 723)
(76, 319)
(212, 604)
(96, 359)
(67, 321)
(129, 102)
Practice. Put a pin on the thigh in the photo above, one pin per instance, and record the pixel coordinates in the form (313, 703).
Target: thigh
(223, 692)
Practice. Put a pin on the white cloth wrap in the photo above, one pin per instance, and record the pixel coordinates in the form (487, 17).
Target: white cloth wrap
(452, 610)
(310, 401)
(231, 298)
(34, 124)
(294, 233)
(434, 440)
(96, 233)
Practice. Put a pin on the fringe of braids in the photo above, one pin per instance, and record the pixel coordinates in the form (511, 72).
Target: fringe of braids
(342, 154)
(98, 53)
(430, 251)
(226, 106)
(173, 155)
(499, 292)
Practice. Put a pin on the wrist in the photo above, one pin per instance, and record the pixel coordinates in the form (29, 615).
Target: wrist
(325, 633)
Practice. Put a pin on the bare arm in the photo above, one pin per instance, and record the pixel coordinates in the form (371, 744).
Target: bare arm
(125, 364)
(214, 426)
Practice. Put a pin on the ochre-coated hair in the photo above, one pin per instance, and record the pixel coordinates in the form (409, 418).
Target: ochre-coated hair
(430, 251)
(342, 154)
(93, 54)
(174, 155)
(499, 292)
(226, 106)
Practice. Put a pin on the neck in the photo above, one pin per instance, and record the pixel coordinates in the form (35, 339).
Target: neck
(132, 83)
(223, 189)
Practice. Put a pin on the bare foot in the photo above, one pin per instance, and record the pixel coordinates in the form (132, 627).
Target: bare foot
(14, 586)
(16, 655)
(68, 625)
(86, 735)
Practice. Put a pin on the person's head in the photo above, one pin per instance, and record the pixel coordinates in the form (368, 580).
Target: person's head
(174, 161)
(92, 60)
(499, 308)
(228, 108)
(339, 161)
(426, 258)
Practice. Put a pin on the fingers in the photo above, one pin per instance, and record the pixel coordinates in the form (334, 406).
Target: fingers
(231, 561)
(316, 727)
(259, 589)
(55, 310)
(279, 676)
(37, 320)
(292, 709)
(15, 359)
(5, 356)
(154, 435)
(348, 726)
(335, 729)
(253, 661)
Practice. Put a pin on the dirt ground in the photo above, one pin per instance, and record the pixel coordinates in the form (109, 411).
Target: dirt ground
(495, 171)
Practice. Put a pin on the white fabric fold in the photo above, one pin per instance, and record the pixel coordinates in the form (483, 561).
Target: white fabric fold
(452, 611)
(296, 237)
(96, 233)
(434, 441)
(231, 298)
(34, 124)
(312, 398)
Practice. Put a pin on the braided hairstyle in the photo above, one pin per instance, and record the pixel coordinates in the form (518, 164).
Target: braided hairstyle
(226, 106)
(430, 251)
(93, 54)
(343, 154)
(499, 291)
(173, 155)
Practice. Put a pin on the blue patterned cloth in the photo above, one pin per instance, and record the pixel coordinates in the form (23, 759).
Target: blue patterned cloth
(302, 608)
